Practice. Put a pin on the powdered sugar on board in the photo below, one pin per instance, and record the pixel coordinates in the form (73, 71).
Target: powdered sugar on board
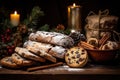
(66, 68)
(72, 69)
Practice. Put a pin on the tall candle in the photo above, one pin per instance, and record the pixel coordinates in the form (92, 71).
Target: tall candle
(15, 18)
(74, 17)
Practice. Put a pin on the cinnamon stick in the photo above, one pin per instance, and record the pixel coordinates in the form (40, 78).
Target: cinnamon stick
(45, 66)
(86, 45)
(103, 40)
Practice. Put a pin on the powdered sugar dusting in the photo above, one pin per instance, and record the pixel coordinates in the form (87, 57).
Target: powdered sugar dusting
(66, 68)
(72, 69)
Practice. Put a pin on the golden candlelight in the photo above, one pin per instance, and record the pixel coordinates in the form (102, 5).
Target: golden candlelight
(72, 30)
(74, 17)
(15, 18)
(74, 5)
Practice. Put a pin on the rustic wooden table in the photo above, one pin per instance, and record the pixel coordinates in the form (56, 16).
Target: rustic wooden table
(90, 72)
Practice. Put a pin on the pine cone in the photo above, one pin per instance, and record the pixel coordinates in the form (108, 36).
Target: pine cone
(77, 36)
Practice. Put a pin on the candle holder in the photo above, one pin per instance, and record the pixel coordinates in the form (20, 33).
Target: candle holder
(74, 17)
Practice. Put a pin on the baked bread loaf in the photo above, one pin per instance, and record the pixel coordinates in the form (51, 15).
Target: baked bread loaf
(52, 38)
(8, 62)
(21, 61)
(76, 57)
(56, 51)
(29, 55)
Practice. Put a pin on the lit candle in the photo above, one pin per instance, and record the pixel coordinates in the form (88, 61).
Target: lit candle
(74, 17)
(15, 18)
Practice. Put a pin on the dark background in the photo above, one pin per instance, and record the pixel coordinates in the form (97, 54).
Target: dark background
(56, 10)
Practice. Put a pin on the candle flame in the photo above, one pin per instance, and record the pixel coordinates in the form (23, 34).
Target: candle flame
(72, 31)
(74, 4)
(15, 12)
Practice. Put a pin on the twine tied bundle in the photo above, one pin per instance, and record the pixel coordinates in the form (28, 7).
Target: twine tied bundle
(100, 15)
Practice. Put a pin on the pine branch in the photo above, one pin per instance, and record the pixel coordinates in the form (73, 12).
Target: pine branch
(33, 18)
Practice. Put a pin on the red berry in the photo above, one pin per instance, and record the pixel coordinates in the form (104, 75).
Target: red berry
(8, 30)
(10, 51)
(8, 47)
(8, 38)
(3, 39)
(13, 46)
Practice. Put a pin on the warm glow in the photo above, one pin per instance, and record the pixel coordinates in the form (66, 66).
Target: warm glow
(15, 12)
(72, 31)
(74, 17)
(15, 18)
(74, 4)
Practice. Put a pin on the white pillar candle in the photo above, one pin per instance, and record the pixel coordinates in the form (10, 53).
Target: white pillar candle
(74, 17)
(15, 18)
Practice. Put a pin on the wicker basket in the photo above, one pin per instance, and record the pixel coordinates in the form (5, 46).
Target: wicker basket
(102, 56)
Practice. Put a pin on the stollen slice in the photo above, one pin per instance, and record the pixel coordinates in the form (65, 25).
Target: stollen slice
(9, 63)
(21, 61)
(29, 55)
(42, 53)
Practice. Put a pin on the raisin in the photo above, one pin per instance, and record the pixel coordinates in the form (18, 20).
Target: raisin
(23, 54)
(81, 59)
(36, 38)
(78, 56)
(64, 44)
(77, 52)
(83, 50)
(15, 54)
(69, 59)
(77, 62)
(67, 54)
(82, 53)
(73, 57)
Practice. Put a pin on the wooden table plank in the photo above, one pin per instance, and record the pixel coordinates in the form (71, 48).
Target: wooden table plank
(90, 72)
